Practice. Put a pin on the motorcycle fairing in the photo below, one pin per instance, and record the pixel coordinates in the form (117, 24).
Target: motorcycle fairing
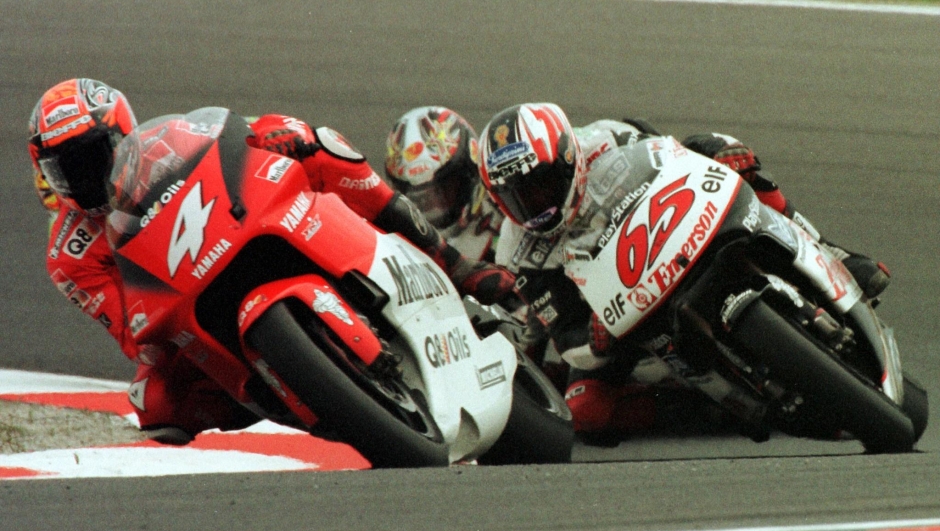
(329, 306)
(190, 237)
(660, 238)
(826, 272)
(885, 346)
(829, 275)
(468, 381)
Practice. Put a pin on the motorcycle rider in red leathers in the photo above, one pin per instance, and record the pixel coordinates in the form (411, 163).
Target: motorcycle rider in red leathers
(548, 179)
(73, 131)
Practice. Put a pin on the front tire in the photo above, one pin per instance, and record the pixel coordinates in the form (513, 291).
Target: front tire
(799, 363)
(388, 423)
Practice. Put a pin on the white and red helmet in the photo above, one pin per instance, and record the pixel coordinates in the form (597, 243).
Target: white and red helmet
(73, 131)
(431, 157)
(532, 166)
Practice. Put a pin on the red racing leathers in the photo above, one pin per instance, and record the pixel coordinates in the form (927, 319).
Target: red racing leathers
(81, 266)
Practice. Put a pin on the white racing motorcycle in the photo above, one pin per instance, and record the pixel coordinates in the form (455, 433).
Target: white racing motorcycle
(741, 302)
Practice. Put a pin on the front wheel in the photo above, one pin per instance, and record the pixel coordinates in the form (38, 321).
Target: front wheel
(385, 420)
(799, 363)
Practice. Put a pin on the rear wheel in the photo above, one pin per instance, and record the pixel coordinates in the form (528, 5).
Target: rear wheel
(385, 420)
(827, 386)
(540, 428)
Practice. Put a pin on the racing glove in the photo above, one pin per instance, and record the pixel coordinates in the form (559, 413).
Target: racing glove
(732, 153)
(488, 283)
(285, 135)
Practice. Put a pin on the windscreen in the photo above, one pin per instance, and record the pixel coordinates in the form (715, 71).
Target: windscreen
(153, 162)
(619, 177)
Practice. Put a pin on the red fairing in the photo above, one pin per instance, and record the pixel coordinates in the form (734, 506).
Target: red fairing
(330, 308)
(182, 215)
(202, 238)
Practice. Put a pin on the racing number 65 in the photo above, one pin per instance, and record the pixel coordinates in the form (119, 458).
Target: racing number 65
(633, 248)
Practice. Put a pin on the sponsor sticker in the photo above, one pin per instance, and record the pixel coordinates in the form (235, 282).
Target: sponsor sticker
(328, 302)
(60, 110)
(493, 374)
(274, 168)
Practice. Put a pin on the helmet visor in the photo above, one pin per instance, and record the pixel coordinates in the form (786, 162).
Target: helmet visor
(435, 200)
(444, 197)
(78, 170)
(535, 199)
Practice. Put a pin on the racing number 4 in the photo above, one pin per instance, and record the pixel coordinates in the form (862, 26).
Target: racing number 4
(189, 228)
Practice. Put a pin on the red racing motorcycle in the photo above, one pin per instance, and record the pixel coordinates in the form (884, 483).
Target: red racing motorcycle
(310, 316)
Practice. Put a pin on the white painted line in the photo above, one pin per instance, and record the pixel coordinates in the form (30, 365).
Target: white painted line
(856, 526)
(267, 427)
(258, 448)
(893, 9)
(137, 462)
(22, 382)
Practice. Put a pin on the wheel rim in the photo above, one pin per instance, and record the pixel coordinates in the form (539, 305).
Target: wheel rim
(406, 404)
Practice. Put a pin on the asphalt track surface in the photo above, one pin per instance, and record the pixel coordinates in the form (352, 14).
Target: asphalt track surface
(841, 106)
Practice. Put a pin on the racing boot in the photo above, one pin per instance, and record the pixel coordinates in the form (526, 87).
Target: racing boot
(605, 414)
(171, 435)
(873, 277)
(174, 403)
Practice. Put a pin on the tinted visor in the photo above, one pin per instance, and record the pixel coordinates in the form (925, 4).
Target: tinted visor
(535, 199)
(442, 199)
(79, 168)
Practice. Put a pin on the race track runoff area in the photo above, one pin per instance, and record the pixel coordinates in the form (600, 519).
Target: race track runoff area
(266, 446)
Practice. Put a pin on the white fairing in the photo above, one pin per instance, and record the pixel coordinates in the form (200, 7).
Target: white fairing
(829, 274)
(670, 222)
(825, 270)
(467, 381)
(629, 264)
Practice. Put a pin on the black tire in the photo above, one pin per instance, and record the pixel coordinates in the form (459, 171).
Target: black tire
(388, 423)
(539, 429)
(915, 405)
(796, 361)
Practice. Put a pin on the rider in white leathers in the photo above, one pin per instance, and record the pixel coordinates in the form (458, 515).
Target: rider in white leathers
(551, 181)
